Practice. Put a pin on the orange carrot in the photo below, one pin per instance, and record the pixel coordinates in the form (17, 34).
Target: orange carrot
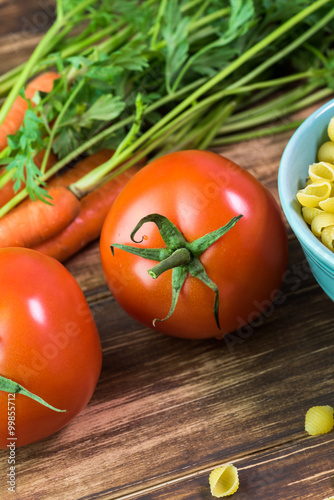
(30, 223)
(7, 191)
(61, 179)
(14, 118)
(43, 83)
(71, 175)
(87, 226)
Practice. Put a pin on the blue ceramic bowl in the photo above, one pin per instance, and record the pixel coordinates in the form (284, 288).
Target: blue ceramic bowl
(299, 153)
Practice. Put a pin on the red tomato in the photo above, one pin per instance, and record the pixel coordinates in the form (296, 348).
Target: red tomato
(199, 192)
(49, 344)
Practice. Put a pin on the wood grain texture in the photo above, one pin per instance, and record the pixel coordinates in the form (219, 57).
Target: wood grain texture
(22, 26)
(167, 411)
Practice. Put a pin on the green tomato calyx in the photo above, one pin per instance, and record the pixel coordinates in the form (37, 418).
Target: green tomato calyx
(8, 385)
(179, 255)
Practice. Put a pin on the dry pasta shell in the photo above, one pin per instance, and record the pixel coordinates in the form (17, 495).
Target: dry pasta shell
(326, 152)
(224, 481)
(321, 221)
(309, 213)
(327, 237)
(312, 194)
(327, 205)
(330, 129)
(319, 420)
(322, 171)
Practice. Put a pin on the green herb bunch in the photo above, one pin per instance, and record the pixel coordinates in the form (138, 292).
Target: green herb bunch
(148, 77)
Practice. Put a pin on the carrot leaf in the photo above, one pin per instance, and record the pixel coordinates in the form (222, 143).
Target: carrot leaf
(22, 148)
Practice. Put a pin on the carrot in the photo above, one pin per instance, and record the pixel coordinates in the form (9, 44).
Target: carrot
(48, 230)
(7, 191)
(34, 221)
(87, 226)
(43, 83)
(15, 116)
(63, 179)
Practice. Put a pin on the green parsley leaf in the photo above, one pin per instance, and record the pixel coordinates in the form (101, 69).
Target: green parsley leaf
(105, 108)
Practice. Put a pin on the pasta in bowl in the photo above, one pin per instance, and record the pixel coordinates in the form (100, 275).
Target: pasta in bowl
(305, 189)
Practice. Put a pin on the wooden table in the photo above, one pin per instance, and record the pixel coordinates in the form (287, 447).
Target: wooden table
(167, 411)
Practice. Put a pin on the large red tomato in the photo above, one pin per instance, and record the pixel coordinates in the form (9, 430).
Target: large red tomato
(49, 345)
(198, 192)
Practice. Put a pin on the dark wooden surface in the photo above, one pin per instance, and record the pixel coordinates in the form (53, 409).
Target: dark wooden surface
(167, 411)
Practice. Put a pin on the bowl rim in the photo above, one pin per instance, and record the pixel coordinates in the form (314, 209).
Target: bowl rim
(296, 222)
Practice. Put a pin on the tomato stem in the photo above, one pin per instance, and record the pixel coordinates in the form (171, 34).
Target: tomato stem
(181, 257)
